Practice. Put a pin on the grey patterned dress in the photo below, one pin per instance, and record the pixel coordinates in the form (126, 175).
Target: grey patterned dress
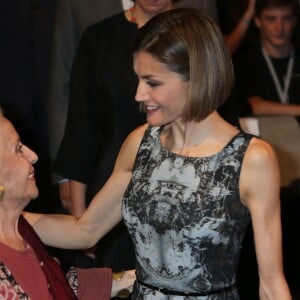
(186, 219)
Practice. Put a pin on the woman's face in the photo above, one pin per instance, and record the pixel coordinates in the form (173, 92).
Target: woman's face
(16, 165)
(154, 6)
(162, 92)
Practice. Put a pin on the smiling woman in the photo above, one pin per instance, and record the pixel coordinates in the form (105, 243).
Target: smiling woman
(21, 251)
(17, 171)
(188, 183)
(27, 271)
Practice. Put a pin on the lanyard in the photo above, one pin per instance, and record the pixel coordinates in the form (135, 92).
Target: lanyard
(282, 92)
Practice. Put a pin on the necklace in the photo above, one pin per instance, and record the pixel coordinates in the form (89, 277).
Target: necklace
(132, 17)
(282, 92)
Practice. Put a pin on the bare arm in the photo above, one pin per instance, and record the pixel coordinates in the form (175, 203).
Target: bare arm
(103, 213)
(261, 106)
(260, 188)
(236, 36)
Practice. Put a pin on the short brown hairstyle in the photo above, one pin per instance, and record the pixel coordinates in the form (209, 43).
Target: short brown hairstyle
(260, 5)
(191, 44)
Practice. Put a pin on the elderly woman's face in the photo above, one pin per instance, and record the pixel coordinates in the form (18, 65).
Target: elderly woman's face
(16, 165)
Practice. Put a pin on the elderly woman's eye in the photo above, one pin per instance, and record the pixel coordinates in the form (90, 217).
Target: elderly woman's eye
(19, 148)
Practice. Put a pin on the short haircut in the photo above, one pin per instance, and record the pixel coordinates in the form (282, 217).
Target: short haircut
(190, 43)
(260, 5)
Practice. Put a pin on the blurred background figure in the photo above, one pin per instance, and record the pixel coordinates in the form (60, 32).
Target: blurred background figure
(72, 17)
(267, 76)
(236, 22)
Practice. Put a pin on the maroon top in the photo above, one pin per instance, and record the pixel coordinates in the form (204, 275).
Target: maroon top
(42, 277)
(28, 274)
(58, 285)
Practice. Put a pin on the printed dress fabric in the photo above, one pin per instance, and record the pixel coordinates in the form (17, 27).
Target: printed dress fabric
(186, 219)
(9, 288)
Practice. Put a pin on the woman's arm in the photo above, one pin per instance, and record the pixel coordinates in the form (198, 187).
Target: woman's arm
(103, 213)
(260, 190)
(235, 37)
(261, 106)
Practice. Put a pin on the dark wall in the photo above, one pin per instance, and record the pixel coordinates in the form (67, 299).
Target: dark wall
(25, 36)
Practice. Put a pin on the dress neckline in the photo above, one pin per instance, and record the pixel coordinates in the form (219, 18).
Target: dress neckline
(162, 147)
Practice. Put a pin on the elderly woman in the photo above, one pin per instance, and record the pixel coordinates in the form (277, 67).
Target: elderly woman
(27, 271)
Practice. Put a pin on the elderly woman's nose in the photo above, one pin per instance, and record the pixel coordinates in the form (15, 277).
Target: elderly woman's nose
(30, 155)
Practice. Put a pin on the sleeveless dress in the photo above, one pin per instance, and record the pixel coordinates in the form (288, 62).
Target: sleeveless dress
(186, 219)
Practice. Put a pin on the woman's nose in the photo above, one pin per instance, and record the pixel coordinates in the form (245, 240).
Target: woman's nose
(31, 155)
(141, 93)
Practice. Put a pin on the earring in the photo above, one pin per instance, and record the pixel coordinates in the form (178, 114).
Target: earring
(2, 190)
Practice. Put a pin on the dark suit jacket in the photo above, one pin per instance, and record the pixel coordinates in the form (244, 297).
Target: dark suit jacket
(24, 54)
(25, 37)
(71, 19)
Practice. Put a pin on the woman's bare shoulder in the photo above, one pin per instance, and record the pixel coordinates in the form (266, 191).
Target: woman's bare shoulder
(130, 148)
(260, 176)
(260, 152)
(135, 137)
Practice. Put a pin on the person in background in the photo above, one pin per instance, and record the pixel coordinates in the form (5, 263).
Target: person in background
(27, 270)
(267, 77)
(72, 17)
(187, 183)
(236, 22)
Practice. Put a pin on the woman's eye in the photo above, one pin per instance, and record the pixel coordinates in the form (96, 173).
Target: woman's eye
(153, 83)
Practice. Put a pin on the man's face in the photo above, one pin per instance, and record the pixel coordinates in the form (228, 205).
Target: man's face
(276, 25)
